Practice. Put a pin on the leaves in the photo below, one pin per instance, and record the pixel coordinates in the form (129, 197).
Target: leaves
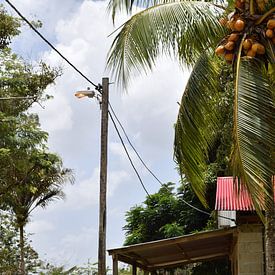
(196, 123)
(254, 135)
(168, 28)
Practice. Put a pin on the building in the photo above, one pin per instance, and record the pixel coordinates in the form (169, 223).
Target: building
(240, 237)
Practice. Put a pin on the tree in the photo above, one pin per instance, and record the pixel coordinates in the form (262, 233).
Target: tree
(192, 30)
(37, 178)
(9, 247)
(165, 214)
(30, 176)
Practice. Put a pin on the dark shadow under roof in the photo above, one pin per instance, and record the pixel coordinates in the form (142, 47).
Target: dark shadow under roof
(178, 251)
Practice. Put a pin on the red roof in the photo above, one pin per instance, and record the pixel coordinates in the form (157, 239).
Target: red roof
(228, 197)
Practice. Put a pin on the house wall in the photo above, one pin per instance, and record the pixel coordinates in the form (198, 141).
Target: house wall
(248, 253)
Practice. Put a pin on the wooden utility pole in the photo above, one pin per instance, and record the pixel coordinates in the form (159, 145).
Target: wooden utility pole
(103, 178)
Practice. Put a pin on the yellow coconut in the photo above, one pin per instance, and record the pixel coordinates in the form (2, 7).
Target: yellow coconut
(220, 50)
(247, 44)
(233, 37)
(239, 25)
(269, 33)
(229, 45)
(271, 24)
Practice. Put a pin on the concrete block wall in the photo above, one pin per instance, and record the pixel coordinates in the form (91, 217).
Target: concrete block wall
(249, 253)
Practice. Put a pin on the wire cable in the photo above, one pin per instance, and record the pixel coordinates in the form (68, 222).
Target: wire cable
(133, 147)
(144, 164)
(128, 155)
(51, 45)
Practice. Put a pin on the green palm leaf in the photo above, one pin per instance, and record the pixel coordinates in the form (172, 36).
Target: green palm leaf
(196, 123)
(165, 28)
(254, 134)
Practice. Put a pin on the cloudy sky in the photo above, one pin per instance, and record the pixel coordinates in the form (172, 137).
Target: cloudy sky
(66, 232)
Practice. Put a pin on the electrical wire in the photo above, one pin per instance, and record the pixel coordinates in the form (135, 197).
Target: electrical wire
(97, 87)
(128, 155)
(133, 147)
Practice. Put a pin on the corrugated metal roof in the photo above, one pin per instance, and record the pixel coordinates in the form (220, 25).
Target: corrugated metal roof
(176, 252)
(229, 198)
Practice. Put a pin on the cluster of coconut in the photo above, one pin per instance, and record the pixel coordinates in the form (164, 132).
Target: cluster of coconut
(270, 32)
(237, 24)
(228, 45)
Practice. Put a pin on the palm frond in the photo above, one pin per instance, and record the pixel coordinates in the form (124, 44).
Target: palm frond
(270, 51)
(196, 123)
(165, 28)
(254, 130)
(115, 6)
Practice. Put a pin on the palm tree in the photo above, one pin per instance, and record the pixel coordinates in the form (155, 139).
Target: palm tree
(242, 32)
(36, 178)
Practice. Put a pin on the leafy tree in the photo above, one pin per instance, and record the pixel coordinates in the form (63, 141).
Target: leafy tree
(192, 30)
(9, 247)
(30, 176)
(34, 179)
(9, 27)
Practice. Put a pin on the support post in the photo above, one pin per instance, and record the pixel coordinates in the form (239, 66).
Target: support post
(103, 178)
(134, 269)
(115, 265)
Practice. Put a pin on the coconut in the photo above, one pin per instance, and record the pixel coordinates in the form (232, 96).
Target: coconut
(229, 56)
(239, 25)
(271, 24)
(229, 45)
(251, 53)
(247, 44)
(258, 48)
(233, 37)
(220, 50)
(269, 33)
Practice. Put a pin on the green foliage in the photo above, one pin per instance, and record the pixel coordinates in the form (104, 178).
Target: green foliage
(163, 215)
(9, 247)
(163, 28)
(9, 27)
(20, 79)
(191, 30)
(30, 176)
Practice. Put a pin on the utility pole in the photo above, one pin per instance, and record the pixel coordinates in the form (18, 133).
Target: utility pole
(103, 178)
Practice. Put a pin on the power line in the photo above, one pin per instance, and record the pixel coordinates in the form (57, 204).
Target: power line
(130, 143)
(128, 155)
(97, 87)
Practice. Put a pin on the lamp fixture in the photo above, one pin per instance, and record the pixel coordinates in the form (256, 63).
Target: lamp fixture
(81, 94)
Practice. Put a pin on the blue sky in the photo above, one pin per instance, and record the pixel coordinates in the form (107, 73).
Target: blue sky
(66, 232)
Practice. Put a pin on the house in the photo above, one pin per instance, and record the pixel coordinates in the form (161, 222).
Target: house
(239, 238)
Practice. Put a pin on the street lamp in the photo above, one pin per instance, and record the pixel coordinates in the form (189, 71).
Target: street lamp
(103, 170)
(81, 94)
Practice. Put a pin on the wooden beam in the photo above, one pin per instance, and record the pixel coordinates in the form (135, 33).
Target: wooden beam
(183, 262)
(134, 269)
(177, 240)
(115, 265)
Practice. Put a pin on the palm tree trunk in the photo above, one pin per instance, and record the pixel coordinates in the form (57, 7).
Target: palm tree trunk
(270, 241)
(22, 252)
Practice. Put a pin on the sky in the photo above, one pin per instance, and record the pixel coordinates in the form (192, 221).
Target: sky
(66, 232)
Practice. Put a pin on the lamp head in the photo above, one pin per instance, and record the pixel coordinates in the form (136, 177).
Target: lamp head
(81, 94)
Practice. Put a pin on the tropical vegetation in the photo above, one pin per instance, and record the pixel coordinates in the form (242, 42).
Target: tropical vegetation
(30, 175)
(205, 36)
